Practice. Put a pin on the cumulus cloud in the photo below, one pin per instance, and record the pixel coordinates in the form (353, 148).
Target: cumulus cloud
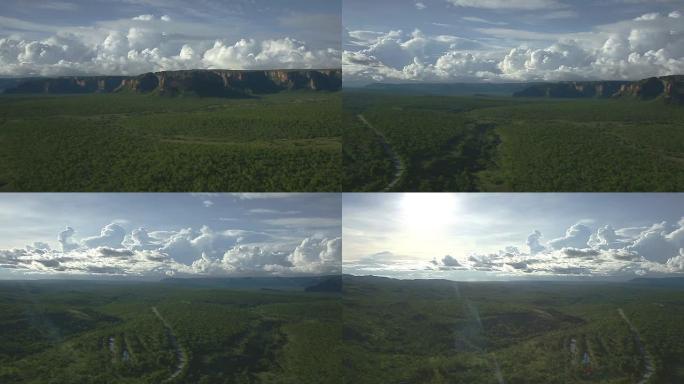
(147, 43)
(658, 249)
(316, 255)
(577, 236)
(658, 243)
(534, 242)
(112, 235)
(249, 53)
(415, 56)
(649, 45)
(185, 252)
(64, 239)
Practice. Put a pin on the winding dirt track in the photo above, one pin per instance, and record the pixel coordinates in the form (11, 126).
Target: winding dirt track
(649, 368)
(181, 356)
(396, 160)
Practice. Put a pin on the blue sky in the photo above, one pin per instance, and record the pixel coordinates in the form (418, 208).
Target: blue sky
(513, 236)
(155, 235)
(133, 36)
(511, 40)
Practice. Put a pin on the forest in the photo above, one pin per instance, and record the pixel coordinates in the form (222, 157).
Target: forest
(438, 331)
(167, 332)
(289, 141)
(495, 143)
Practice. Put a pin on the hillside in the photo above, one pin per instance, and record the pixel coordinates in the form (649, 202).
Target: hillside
(449, 89)
(668, 88)
(205, 83)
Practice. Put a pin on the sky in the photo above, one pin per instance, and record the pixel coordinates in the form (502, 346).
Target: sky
(154, 236)
(511, 40)
(129, 37)
(485, 236)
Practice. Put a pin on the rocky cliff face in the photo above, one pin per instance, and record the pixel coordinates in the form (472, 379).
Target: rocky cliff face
(669, 88)
(216, 83)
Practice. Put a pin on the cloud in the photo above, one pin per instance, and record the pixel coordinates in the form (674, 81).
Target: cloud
(626, 252)
(146, 43)
(207, 203)
(279, 53)
(577, 236)
(586, 252)
(607, 238)
(450, 261)
(262, 211)
(508, 4)
(533, 242)
(178, 252)
(659, 243)
(649, 45)
(420, 6)
(317, 255)
(111, 236)
(64, 239)
(144, 17)
(110, 252)
(396, 55)
(481, 20)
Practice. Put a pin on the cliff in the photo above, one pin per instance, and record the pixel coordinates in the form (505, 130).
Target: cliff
(216, 83)
(668, 88)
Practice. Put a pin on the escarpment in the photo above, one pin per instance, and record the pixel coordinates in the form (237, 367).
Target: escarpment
(209, 83)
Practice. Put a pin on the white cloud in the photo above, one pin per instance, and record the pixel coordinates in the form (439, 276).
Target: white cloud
(509, 4)
(649, 45)
(279, 53)
(577, 236)
(481, 20)
(184, 252)
(655, 250)
(207, 203)
(317, 255)
(420, 6)
(648, 16)
(147, 43)
(65, 240)
(144, 17)
(112, 235)
(659, 243)
(416, 56)
(534, 242)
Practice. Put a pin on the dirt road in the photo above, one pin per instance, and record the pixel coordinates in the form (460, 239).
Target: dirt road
(396, 160)
(649, 368)
(181, 356)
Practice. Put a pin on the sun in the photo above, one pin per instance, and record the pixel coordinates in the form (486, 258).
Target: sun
(428, 210)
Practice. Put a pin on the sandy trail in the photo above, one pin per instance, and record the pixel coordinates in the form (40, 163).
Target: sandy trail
(181, 356)
(649, 367)
(396, 160)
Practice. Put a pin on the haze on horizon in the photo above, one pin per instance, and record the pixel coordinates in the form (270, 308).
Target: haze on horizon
(130, 37)
(510, 40)
(152, 236)
(471, 237)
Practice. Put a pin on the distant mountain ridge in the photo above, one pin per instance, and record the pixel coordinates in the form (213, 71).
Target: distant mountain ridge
(668, 88)
(200, 82)
(660, 281)
(299, 283)
(448, 89)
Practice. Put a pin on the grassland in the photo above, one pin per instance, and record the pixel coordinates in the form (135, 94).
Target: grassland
(456, 143)
(85, 332)
(435, 331)
(123, 142)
